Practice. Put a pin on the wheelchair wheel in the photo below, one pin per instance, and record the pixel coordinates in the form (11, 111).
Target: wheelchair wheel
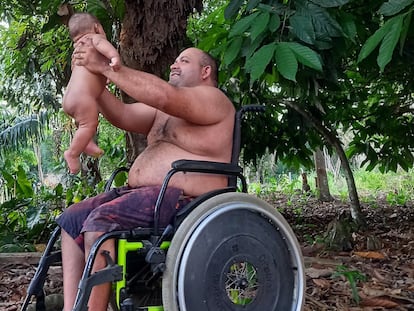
(234, 252)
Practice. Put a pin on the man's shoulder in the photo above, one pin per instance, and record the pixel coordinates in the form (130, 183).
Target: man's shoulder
(217, 93)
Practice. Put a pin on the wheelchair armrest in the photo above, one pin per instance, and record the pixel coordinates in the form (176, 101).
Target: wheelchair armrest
(206, 167)
(111, 178)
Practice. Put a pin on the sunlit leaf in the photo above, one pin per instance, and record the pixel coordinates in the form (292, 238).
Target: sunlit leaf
(257, 64)
(286, 61)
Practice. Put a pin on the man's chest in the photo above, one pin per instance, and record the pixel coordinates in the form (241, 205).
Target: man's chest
(166, 128)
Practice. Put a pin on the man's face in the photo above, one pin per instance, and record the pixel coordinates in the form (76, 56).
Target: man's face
(186, 70)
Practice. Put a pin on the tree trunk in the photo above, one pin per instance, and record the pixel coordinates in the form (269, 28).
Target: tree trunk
(153, 33)
(38, 154)
(330, 136)
(321, 176)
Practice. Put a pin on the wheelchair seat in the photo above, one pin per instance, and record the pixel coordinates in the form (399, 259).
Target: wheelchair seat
(224, 251)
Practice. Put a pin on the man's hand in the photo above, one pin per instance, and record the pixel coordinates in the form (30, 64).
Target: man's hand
(86, 55)
(115, 63)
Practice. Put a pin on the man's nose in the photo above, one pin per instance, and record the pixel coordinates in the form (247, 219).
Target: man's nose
(174, 65)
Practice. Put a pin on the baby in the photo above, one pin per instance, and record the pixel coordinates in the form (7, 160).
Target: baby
(84, 89)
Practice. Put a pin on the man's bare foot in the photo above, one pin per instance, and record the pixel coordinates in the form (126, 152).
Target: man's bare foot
(93, 150)
(73, 162)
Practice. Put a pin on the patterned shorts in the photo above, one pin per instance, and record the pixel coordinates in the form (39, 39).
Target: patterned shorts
(119, 209)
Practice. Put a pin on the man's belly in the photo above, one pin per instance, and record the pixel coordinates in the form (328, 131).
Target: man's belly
(152, 165)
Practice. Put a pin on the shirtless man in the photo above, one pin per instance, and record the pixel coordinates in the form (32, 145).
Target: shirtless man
(186, 118)
(84, 88)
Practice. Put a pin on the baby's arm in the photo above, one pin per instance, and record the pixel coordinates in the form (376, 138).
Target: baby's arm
(108, 50)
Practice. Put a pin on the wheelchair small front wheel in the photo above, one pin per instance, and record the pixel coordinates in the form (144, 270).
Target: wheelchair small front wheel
(234, 252)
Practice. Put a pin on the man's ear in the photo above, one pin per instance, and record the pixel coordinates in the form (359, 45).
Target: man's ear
(206, 72)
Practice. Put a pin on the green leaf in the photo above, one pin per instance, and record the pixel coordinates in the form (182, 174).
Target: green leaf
(274, 22)
(257, 64)
(120, 179)
(232, 50)
(242, 25)
(348, 26)
(232, 9)
(24, 183)
(330, 3)
(404, 31)
(389, 42)
(260, 25)
(252, 4)
(323, 23)
(302, 27)
(286, 61)
(394, 6)
(306, 56)
(59, 190)
(373, 41)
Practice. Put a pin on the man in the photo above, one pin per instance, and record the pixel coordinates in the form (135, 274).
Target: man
(186, 118)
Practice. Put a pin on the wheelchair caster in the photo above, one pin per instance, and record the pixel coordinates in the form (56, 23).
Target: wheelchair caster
(127, 305)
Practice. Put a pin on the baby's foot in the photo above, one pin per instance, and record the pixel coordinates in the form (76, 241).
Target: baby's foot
(93, 150)
(73, 162)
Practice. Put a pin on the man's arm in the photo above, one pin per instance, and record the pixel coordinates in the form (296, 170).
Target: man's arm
(200, 105)
(135, 117)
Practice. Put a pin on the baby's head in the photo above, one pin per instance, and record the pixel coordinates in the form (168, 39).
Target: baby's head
(82, 23)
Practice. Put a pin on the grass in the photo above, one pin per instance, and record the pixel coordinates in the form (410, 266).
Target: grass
(396, 188)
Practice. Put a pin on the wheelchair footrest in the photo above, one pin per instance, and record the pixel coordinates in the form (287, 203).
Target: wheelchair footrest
(128, 305)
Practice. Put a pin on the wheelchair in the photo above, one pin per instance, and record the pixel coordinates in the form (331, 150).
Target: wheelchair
(224, 251)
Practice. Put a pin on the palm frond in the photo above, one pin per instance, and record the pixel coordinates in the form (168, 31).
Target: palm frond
(22, 131)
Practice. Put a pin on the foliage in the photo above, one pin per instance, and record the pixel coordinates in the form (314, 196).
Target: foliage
(268, 178)
(393, 31)
(310, 53)
(35, 59)
(353, 277)
(28, 214)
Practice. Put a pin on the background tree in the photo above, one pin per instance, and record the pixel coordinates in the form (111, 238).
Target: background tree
(301, 59)
(153, 33)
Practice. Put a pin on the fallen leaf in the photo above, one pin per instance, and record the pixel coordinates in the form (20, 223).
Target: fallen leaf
(370, 255)
(322, 283)
(317, 273)
(378, 302)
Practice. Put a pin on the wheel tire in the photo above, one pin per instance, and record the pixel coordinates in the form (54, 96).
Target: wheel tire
(234, 252)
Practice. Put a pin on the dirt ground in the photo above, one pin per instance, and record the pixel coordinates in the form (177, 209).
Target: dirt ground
(374, 270)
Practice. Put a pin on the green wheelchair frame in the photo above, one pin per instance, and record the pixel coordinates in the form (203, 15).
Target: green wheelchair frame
(182, 267)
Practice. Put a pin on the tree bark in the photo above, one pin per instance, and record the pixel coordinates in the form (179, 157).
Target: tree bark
(330, 136)
(321, 177)
(153, 33)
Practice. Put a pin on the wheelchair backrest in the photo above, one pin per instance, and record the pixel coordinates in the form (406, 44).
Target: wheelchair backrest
(237, 136)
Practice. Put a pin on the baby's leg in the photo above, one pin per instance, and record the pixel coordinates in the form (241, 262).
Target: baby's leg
(93, 150)
(80, 102)
(86, 117)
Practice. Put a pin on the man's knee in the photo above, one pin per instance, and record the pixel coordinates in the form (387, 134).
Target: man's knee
(90, 238)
